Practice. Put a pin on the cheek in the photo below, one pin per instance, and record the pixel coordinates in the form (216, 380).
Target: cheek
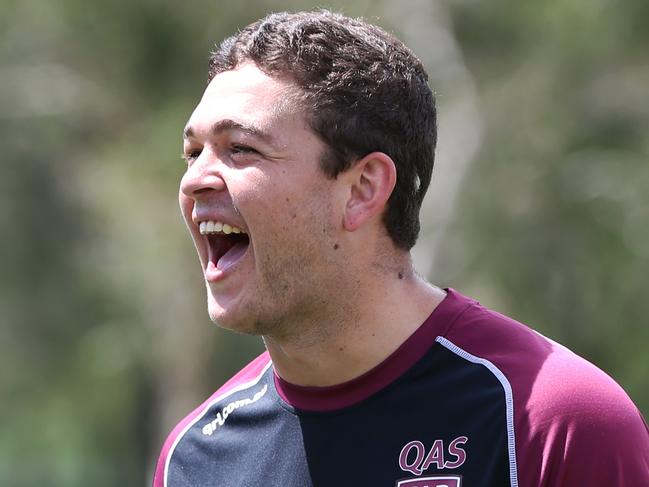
(262, 200)
(186, 206)
(280, 208)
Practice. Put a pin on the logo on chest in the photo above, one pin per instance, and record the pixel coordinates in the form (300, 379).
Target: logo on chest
(416, 459)
(221, 416)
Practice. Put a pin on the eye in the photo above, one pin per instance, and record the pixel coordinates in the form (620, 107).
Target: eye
(243, 154)
(191, 155)
(242, 149)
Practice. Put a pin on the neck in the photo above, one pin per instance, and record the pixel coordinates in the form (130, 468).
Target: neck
(364, 329)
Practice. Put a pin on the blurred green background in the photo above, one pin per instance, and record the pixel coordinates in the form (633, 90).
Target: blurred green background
(539, 205)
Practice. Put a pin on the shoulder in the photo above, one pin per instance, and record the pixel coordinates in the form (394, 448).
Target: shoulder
(567, 413)
(246, 377)
(576, 415)
(547, 378)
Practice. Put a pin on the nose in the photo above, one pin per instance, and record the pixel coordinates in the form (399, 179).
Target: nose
(202, 176)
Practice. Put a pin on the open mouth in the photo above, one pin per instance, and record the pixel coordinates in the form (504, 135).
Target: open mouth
(227, 244)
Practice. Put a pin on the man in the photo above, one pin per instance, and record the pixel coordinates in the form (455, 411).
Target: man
(307, 161)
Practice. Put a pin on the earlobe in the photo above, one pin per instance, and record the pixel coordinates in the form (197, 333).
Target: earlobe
(372, 180)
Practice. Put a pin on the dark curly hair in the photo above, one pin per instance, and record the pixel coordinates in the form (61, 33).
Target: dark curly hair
(363, 91)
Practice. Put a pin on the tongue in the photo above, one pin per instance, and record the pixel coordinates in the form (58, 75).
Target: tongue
(232, 255)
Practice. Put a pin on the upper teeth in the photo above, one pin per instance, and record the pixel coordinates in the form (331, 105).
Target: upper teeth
(211, 226)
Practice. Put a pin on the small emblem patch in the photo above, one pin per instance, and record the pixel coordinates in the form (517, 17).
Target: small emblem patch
(437, 481)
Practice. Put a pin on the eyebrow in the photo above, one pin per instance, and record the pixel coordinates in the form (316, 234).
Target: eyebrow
(227, 124)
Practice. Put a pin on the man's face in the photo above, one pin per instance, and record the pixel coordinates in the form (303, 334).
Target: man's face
(253, 166)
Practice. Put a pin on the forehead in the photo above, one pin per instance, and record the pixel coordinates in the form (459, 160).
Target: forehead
(247, 96)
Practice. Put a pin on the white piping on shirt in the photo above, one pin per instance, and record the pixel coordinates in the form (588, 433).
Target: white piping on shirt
(240, 387)
(509, 401)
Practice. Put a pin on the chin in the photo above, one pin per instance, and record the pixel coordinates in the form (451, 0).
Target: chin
(229, 319)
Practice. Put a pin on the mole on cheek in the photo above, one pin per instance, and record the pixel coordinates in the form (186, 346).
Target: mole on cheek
(336, 246)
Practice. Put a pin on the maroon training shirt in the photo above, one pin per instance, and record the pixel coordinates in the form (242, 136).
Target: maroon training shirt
(472, 398)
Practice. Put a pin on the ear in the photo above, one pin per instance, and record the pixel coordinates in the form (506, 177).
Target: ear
(371, 180)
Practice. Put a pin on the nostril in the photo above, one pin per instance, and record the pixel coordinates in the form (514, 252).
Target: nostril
(210, 182)
(195, 184)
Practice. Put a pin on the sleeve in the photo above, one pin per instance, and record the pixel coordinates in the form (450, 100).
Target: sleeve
(583, 430)
(252, 370)
(611, 449)
(159, 475)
